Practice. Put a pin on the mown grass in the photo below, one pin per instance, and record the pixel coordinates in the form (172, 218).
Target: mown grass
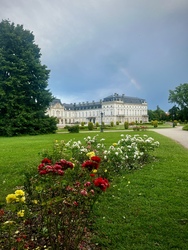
(149, 213)
(152, 211)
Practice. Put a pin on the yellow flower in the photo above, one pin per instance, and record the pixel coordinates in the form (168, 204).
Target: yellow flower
(94, 171)
(19, 192)
(35, 202)
(105, 170)
(9, 222)
(114, 144)
(90, 154)
(20, 213)
(22, 199)
(11, 198)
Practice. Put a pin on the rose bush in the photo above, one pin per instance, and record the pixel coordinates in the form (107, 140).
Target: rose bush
(54, 208)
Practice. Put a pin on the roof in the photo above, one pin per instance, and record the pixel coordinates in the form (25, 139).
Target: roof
(123, 98)
(96, 105)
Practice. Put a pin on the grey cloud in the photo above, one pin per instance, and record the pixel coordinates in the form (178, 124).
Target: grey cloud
(96, 47)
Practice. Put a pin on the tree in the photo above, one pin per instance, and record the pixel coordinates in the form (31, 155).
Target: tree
(23, 82)
(180, 97)
(157, 114)
(174, 113)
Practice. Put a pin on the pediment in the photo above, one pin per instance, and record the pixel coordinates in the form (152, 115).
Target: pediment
(58, 106)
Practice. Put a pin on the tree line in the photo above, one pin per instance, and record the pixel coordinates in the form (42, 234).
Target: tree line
(179, 111)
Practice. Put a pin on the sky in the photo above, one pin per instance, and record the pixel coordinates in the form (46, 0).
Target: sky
(95, 48)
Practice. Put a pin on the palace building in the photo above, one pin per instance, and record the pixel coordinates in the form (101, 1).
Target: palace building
(112, 108)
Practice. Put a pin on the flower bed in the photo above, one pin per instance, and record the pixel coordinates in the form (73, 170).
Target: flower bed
(52, 209)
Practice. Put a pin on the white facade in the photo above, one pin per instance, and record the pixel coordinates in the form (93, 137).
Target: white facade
(111, 109)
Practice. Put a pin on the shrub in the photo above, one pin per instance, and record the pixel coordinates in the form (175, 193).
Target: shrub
(130, 152)
(175, 122)
(131, 123)
(82, 124)
(97, 124)
(155, 123)
(136, 128)
(126, 125)
(185, 127)
(90, 126)
(143, 128)
(73, 129)
(111, 124)
(117, 122)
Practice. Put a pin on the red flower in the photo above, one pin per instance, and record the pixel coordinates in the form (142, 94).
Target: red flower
(102, 183)
(45, 167)
(42, 172)
(92, 175)
(57, 166)
(87, 184)
(96, 158)
(49, 168)
(65, 164)
(46, 161)
(60, 172)
(41, 166)
(90, 165)
(75, 203)
(68, 188)
(70, 164)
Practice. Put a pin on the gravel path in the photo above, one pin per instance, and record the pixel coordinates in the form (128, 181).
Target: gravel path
(177, 134)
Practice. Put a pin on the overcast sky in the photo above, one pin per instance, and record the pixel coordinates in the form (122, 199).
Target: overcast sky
(95, 48)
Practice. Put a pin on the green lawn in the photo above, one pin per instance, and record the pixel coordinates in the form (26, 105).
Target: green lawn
(152, 211)
(149, 213)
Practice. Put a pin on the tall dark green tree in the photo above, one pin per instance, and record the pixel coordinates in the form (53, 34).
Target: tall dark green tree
(24, 96)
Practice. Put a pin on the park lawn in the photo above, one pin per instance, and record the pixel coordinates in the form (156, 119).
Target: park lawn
(150, 212)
